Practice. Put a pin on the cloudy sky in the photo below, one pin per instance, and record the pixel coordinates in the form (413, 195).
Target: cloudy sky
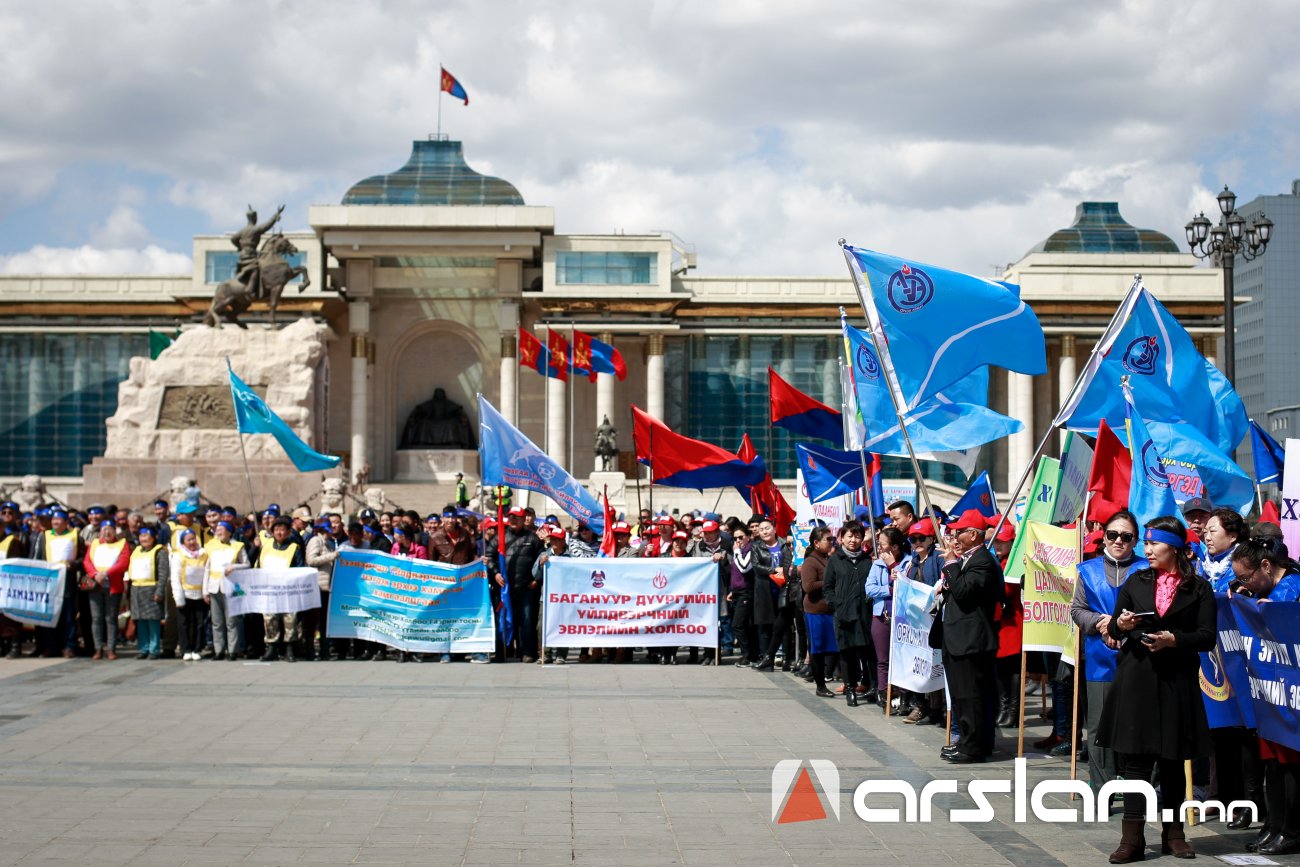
(953, 132)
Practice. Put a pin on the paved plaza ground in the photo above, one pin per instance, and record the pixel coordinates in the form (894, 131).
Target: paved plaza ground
(367, 763)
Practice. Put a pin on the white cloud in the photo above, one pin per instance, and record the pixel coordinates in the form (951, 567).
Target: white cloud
(759, 131)
(148, 261)
(122, 228)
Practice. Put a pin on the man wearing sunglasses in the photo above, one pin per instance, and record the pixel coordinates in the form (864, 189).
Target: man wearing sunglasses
(971, 591)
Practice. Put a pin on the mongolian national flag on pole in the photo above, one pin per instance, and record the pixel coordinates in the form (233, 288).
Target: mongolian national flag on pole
(680, 462)
(253, 416)
(592, 356)
(452, 86)
(558, 348)
(798, 413)
(535, 356)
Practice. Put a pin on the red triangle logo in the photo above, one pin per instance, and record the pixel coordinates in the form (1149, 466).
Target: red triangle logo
(803, 804)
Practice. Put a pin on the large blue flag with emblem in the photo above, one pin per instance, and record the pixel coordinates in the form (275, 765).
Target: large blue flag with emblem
(1197, 468)
(1170, 379)
(1150, 494)
(956, 419)
(253, 416)
(941, 324)
(1267, 454)
(509, 458)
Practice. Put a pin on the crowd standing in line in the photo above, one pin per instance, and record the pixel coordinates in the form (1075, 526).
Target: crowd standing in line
(823, 614)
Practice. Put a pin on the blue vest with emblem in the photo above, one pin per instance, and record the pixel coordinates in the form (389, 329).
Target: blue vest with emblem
(1101, 597)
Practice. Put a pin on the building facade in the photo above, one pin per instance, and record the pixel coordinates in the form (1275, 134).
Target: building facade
(424, 276)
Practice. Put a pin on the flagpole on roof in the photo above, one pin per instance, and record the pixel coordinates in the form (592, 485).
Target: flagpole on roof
(1099, 350)
(887, 361)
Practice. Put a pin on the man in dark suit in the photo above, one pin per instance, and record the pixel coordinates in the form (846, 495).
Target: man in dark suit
(970, 591)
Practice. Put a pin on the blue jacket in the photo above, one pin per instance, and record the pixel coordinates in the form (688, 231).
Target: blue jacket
(879, 589)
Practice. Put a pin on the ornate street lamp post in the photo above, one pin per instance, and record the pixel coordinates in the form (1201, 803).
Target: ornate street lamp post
(1221, 244)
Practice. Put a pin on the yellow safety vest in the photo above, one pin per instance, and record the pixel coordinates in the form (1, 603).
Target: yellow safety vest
(220, 555)
(193, 571)
(177, 529)
(143, 571)
(60, 547)
(272, 558)
(104, 554)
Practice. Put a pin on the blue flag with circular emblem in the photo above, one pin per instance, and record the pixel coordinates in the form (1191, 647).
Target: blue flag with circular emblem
(941, 324)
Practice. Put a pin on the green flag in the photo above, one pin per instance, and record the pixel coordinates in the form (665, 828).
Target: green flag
(157, 343)
(1040, 503)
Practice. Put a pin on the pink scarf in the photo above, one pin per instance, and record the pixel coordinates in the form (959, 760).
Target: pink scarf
(1166, 588)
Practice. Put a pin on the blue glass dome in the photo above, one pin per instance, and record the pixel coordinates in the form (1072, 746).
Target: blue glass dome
(436, 174)
(1099, 228)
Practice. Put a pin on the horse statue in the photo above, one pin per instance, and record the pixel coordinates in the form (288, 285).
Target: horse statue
(233, 296)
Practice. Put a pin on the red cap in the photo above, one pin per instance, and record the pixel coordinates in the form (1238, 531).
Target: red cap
(1007, 533)
(664, 519)
(681, 534)
(710, 526)
(923, 527)
(517, 512)
(487, 524)
(622, 527)
(971, 519)
(558, 533)
(650, 531)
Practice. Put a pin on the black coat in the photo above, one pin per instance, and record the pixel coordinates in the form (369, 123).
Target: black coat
(844, 588)
(767, 595)
(522, 550)
(970, 603)
(1155, 706)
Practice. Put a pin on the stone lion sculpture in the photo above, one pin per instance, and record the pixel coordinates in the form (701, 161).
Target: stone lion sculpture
(30, 495)
(332, 491)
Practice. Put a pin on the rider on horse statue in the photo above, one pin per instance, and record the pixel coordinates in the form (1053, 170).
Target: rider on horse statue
(247, 239)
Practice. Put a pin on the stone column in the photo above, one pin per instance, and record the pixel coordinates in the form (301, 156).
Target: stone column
(557, 416)
(605, 397)
(509, 376)
(359, 326)
(1067, 372)
(1020, 405)
(1209, 347)
(654, 375)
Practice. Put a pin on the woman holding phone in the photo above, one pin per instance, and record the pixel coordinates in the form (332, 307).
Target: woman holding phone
(1153, 717)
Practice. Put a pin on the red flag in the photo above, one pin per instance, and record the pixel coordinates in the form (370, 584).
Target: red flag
(582, 354)
(1112, 468)
(559, 349)
(682, 462)
(766, 498)
(1269, 514)
(747, 452)
(607, 546)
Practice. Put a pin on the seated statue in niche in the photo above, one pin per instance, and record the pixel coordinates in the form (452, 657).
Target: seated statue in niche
(439, 423)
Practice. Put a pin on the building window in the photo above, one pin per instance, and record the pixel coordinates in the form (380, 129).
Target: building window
(1281, 423)
(607, 269)
(56, 392)
(220, 266)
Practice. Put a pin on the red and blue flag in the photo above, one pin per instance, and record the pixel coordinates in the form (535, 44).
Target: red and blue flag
(798, 413)
(535, 356)
(452, 86)
(678, 461)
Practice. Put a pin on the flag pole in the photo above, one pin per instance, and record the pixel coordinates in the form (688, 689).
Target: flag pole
(882, 352)
(862, 453)
(1069, 398)
(248, 477)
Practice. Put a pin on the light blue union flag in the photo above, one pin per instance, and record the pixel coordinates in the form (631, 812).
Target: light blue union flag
(253, 416)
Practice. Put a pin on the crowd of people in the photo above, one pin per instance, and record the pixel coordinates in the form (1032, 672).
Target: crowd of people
(822, 613)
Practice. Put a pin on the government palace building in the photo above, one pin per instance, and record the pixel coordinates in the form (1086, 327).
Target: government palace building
(422, 278)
